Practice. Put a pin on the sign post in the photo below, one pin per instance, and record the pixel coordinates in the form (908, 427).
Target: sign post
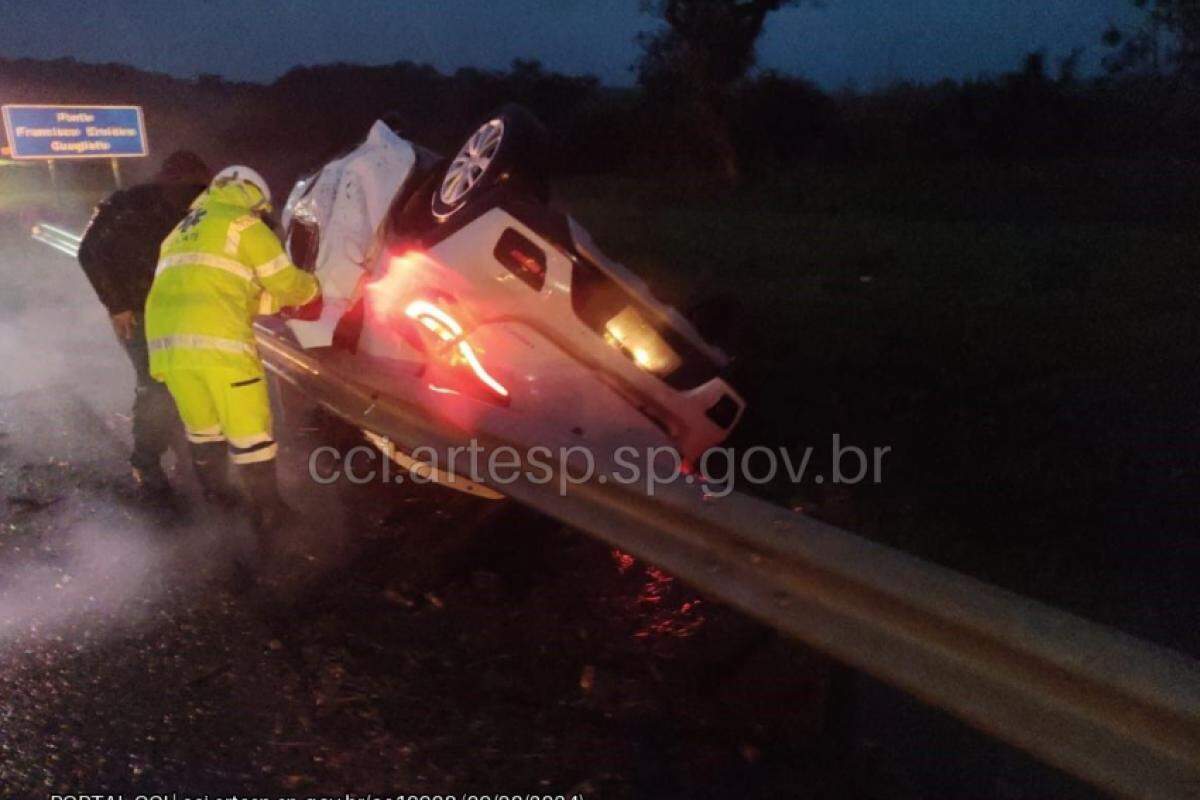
(53, 133)
(50, 165)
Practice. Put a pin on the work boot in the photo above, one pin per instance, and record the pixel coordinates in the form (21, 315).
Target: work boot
(268, 513)
(211, 463)
(151, 481)
(155, 494)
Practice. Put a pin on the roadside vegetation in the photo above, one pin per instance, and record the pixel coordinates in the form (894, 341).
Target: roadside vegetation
(1023, 337)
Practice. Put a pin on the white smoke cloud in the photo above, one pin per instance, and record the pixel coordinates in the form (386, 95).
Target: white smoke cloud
(99, 572)
(69, 547)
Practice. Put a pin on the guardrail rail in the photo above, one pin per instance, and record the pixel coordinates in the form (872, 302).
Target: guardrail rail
(1118, 712)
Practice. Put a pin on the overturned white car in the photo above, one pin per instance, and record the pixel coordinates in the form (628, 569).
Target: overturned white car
(455, 285)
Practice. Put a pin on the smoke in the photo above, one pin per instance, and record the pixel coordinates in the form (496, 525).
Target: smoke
(98, 571)
(74, 546)
(99, 566)
(52, 328)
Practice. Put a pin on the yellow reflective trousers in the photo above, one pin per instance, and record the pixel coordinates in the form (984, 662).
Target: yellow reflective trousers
(221, 266)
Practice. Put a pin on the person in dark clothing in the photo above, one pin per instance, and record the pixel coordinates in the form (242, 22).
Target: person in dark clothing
(119, 253)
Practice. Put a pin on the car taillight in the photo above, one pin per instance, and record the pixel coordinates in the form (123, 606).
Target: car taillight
(445, 327)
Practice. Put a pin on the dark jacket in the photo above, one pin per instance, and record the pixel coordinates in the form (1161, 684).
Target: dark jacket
(120, 247)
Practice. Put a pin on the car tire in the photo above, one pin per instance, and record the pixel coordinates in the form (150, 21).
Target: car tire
(508, 148)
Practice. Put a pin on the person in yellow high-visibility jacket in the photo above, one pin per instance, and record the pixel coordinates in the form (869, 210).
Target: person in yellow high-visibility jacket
(220, 267)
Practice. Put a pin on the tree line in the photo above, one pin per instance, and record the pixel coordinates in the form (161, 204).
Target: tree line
(698, 105)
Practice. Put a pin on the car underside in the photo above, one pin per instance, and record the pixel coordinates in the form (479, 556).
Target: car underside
(454, 284)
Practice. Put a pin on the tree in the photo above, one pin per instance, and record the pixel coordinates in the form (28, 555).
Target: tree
(694, 63)
(1167, 40)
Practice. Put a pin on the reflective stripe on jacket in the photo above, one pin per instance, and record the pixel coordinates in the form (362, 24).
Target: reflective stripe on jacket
(218, 269)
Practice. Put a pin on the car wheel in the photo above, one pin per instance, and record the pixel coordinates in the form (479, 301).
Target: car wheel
(506, 149)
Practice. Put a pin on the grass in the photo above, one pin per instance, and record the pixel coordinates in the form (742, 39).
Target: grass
(1023, 336)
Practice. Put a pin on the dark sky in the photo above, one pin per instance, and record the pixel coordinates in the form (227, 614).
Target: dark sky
(868, 42)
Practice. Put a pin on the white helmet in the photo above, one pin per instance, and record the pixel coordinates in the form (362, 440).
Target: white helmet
(243, 174)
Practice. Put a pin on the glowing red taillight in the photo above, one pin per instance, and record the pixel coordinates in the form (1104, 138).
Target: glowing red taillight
(405, 294)
(443, 325)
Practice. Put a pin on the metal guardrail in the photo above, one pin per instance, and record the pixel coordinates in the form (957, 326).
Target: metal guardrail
(1115, 711)
(62, 240)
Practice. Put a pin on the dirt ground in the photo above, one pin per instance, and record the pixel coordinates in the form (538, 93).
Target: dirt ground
(434, 643)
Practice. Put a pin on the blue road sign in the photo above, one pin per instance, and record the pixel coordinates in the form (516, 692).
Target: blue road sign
(47, 132)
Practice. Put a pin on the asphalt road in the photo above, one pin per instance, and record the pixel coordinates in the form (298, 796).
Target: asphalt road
(427, 643)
